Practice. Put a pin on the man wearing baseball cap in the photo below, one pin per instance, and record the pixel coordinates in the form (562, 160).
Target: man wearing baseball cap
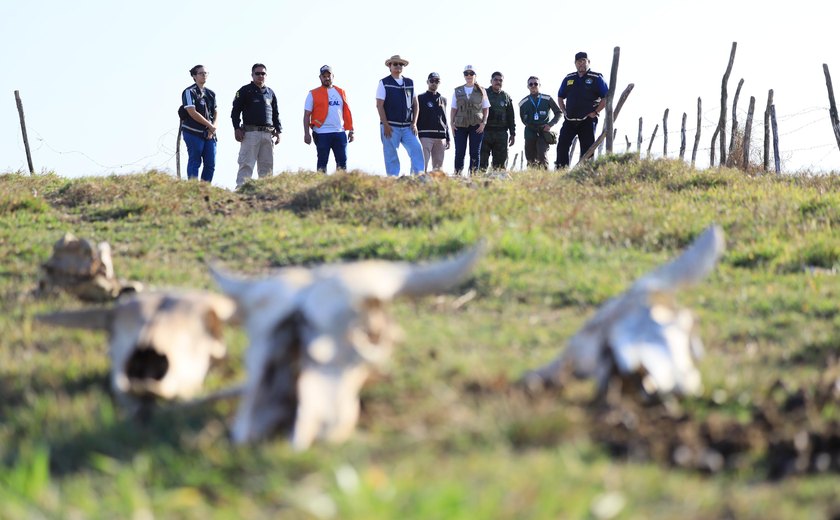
(398, 109)
(327, 113)
(582, 96)
(432, 127)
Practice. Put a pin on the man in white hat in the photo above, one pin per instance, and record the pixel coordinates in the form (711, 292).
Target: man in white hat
(398, 111)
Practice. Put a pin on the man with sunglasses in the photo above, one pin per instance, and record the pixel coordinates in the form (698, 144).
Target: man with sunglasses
(398, 110)
(534, 112)
(470, 107)
(327, 113)
(432, 127)
(500, 131)
(582, 96)
(199, 126)
(260, 129)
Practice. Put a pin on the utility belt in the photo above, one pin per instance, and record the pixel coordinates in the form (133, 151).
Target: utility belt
(576, 119)
(256, 128)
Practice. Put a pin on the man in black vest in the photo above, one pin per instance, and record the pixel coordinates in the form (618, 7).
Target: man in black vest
(398, 110)
(432, 127)
(199, 128)
(260, 129)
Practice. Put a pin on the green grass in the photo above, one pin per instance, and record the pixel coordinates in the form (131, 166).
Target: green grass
(444, 431)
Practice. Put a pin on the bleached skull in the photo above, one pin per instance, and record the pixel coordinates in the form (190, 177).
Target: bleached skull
(643, 332)
(161, 344)
(314, 336)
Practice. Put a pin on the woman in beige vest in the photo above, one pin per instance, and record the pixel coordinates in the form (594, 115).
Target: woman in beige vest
(470, 107)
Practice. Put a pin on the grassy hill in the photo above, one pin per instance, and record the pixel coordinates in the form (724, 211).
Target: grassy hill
(445, 432)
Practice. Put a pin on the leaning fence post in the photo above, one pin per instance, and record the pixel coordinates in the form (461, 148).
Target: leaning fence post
(775, 138)
(23, 131)
(682, 137)
(627, 150)
(712, 151)
(748, 134)
(730, 160)
(608, 121)
(722, 121)
(832, 109)
(665, 132)
(697, 132)
(617, 111)
(766, 163)
(652, 137)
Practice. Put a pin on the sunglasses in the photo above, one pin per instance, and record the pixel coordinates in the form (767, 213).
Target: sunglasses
(434, 81)
(397, 65)
(469, 74)
(259, 74)
(498, 79)
(533, 84)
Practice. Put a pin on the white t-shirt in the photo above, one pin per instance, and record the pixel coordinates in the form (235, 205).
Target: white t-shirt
(380, 89)
(335, 114)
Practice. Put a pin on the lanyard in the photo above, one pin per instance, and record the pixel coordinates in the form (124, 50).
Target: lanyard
(537, 104)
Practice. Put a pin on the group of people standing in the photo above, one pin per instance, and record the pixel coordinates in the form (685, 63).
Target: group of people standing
(480, 119)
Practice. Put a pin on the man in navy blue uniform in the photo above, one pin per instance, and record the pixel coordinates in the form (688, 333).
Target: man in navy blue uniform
(260, 129)
(198, 127)
(582, 96)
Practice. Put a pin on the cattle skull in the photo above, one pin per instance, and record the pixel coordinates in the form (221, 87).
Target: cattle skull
(161, 343)
(315, 333)
(643, 332)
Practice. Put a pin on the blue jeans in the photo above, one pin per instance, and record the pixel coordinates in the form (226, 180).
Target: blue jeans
(200, 149)
(412, 145)
(461, 136)
(335, 141)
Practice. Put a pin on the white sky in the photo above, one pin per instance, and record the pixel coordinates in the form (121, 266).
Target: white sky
(101, 80)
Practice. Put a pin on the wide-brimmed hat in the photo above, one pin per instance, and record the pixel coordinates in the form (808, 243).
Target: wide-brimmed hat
(395, 59)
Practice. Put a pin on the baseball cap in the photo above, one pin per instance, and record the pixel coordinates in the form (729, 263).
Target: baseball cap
(581, 56)
(325, 68)
(469, 68)
(433, 75)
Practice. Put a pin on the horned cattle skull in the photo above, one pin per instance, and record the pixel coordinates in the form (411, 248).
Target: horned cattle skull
(161, 344)
(315, 334)
(643, 332)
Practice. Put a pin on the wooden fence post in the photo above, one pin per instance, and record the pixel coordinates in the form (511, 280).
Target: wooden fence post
(608, 121)
(682, 137)
(627, 150)
(652, 138)
(572, 148)
(639, 140)
(730, 160)
(766, 162)
(712, 151)
(697, 132)
(178, 153)
(775, 138)
(23, 131)
(832, 108)
(748, 134)
(617, 111)
(665, 132)
(722, 122)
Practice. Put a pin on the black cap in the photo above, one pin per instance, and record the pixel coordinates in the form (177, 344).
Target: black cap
(325, 68)
(581, 56)
(433, 75)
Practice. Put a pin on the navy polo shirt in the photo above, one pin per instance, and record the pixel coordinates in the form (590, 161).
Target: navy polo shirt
(582, 94)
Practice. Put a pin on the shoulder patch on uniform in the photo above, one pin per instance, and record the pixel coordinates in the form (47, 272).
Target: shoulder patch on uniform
(545, 96)
(523, 101)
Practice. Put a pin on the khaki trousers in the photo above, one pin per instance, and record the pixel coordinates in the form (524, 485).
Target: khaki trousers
(256, 147)
(433, 148)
